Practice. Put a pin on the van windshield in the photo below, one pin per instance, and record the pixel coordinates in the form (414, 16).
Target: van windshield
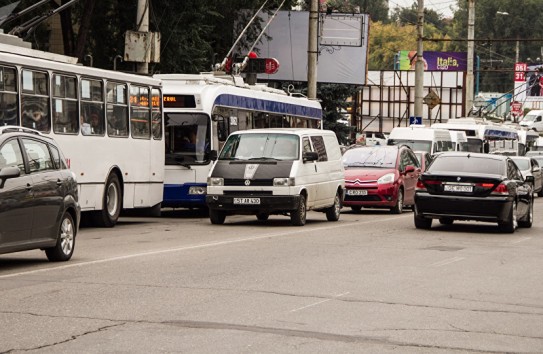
(415, 145)
(261, 146)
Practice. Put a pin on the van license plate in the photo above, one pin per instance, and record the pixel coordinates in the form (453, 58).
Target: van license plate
(357, 192)
(458, 188)
(250, 201)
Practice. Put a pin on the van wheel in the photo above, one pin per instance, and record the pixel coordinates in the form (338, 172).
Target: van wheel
(217, 217)
(398, 208)
(111, 203)
(332, 213)
(298, 215)
(262, 216)
(64, 248)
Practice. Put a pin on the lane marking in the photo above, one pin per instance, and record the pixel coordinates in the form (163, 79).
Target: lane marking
(447, 261)
(319, 302)
(521, 240)
(193, 247)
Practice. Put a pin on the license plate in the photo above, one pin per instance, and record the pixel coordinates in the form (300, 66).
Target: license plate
(249, 201)
(357, 192)
(458, 188)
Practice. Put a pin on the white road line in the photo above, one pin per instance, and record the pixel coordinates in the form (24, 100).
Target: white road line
(204, 245)
(447, 261)
(521, 240)
(319, 302)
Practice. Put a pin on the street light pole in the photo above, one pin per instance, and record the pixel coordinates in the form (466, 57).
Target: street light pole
(419, 64)
(469, 73)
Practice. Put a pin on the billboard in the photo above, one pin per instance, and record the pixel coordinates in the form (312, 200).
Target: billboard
(342, 47)
(434, 61)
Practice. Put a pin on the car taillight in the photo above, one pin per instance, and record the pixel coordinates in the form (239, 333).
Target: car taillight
(421, 186)
(501, 189)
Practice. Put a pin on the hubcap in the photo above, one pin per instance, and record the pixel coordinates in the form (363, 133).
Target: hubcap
(66, 236)
(112, 200)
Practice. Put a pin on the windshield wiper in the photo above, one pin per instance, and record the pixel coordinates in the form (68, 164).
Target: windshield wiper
(264, 158)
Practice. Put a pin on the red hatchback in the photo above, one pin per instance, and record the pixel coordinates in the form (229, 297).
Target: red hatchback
(380, 177)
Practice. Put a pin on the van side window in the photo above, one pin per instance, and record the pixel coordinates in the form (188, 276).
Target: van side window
(307, 145)
(318, 144)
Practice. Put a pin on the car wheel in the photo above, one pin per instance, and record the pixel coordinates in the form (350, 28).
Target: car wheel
(446, 221)
(217, 217)
(422, 222)
(111, 203)
(64, 248)
(298, 215)
(262, 216)
(529, 219)
(332, 213)
(398, 208)
(356, 208)
(510, 225)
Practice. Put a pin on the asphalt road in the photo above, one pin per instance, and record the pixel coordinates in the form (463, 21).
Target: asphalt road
(369, 283)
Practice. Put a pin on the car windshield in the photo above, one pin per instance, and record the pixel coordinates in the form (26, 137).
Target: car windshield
(422, 145)
(261, 146)
(467, 164)
(523, 164)
(529, 118)
(381, 157)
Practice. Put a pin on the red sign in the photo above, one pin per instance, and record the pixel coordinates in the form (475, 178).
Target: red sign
(516, 108)
(272, 65)
(520, 72)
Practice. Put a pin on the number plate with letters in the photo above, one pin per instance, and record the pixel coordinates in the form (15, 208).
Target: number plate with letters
(247, 201)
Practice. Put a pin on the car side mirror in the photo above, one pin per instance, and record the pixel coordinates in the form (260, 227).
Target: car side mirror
(409, 169)
(213, 155)
(529, 179)
(310, 156)
(8, 172)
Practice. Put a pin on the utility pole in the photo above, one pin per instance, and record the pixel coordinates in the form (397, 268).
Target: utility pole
(469, 74)
(312, 51)
(143, 26)
(419, 64)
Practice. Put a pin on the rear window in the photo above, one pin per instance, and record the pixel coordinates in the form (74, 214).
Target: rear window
(467, 164)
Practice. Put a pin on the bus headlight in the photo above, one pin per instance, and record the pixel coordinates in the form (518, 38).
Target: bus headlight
(283, 182)
(198, 190)
(215, 181)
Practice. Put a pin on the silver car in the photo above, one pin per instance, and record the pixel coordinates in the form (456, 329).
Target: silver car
(529, 166)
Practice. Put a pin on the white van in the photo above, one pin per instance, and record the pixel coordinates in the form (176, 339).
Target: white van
(533, 120)
(277, 171)
(420, 138)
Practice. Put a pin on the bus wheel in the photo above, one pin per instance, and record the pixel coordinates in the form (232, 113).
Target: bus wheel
(111, 203)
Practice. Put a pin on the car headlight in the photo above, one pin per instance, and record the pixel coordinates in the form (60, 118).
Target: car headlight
(283, 182)
(198, 190)
(388, 178)
(215, 181)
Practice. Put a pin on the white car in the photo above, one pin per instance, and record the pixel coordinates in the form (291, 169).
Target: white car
(529, 166)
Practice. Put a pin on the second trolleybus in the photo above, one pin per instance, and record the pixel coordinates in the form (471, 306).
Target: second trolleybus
(201, 110)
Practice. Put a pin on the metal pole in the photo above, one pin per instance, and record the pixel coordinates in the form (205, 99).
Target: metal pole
(312, 51)
(143, 26)
(469, 75)
(419, 65)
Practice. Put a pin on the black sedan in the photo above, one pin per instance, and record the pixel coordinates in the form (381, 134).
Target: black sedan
(473, 186)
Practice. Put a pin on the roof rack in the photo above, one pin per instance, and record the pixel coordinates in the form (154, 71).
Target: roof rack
(16, 129)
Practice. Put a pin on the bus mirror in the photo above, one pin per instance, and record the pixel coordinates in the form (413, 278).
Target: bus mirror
(213, 155)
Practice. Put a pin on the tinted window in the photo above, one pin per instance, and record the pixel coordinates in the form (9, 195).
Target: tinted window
(318, 144)
(467, 164)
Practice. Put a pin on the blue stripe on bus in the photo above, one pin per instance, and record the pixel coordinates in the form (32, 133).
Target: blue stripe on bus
(177, 196)
(268, 106)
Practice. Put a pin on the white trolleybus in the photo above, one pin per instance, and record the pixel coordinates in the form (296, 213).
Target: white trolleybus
(484, 136)
(108, 124)
(201, 110)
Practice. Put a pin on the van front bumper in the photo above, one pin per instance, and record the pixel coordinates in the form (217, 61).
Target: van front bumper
(253, 204)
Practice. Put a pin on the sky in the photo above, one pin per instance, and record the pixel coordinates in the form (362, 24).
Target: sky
(442, 7)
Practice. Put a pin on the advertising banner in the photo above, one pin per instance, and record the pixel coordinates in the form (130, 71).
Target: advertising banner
(434, 61)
